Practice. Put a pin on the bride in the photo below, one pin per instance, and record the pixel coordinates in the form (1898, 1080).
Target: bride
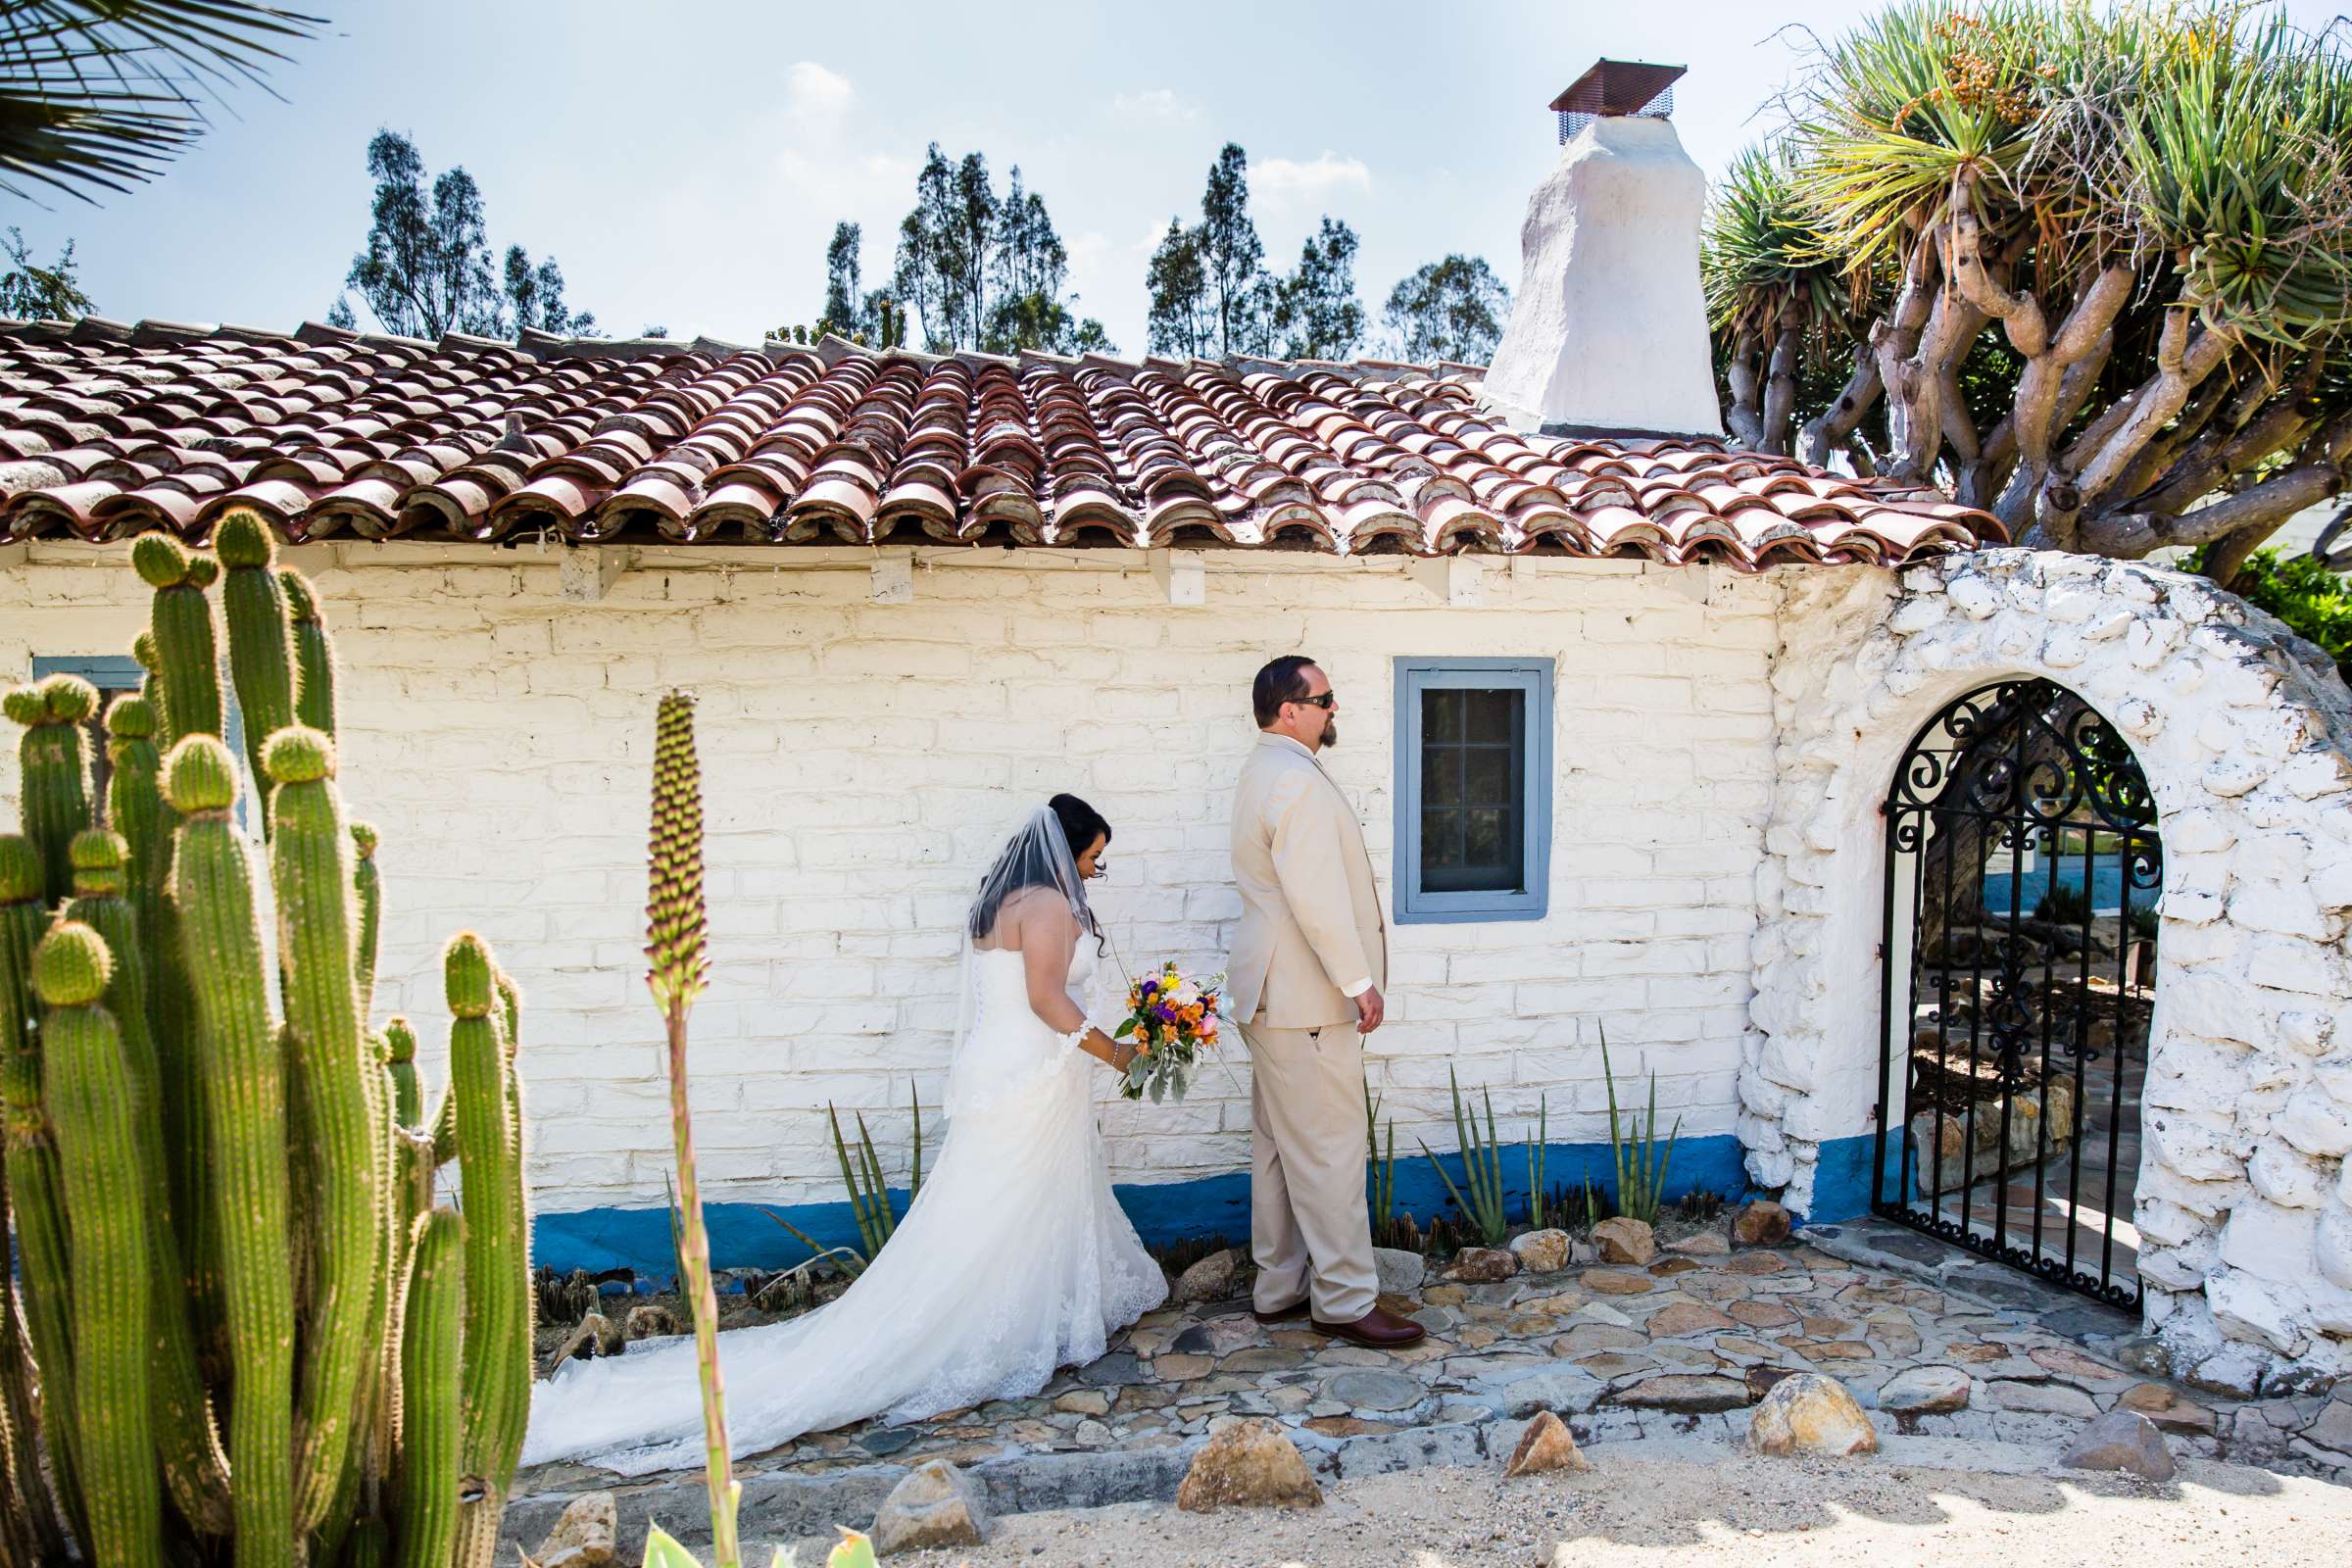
(1014, 1260)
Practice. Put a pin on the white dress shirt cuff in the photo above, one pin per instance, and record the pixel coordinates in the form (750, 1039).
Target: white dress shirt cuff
(1356, 990)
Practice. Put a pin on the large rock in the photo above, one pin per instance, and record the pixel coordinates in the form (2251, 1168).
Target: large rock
(1762, 1223)
(1925, 1391)
(936, 1504)
(1574, 1391)
(2172, 1413)
(593, 1336)
(587, 1536)
(1400, 1272)
(2122, 1440)
(650, 1320)
(1249, 1465)
(1809, 1414)
(1702, 1244)
(1625, 1241)
(1212, 1278)
(1482, 1265)
(1542, 1252)
(1546, 1444)
(1687, 1392)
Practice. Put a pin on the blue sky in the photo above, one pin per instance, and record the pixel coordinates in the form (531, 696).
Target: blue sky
(686, 161)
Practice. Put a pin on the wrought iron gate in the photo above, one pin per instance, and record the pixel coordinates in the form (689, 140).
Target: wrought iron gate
(2023, 869)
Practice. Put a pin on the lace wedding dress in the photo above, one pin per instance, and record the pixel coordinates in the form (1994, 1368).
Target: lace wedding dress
(1014, 1260)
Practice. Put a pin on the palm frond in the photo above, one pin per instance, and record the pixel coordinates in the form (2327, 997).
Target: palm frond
(99, 95)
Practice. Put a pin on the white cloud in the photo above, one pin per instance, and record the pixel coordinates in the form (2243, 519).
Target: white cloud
(1157, 106)
(816, 95)
(1286, 183)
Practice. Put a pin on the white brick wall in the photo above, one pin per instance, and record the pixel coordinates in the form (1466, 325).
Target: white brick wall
(860, 761)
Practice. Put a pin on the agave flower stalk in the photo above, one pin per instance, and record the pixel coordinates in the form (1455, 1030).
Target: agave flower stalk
(676, 925)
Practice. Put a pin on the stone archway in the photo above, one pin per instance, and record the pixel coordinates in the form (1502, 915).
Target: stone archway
(2244, 1201)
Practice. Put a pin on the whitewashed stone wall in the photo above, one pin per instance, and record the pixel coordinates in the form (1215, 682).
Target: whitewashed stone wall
(861, 758)
(2245, 1194)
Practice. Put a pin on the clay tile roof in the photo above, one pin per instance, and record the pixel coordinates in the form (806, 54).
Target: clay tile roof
(109, 429)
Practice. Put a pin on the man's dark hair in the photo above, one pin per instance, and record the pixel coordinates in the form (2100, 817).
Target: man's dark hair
(1283, 680)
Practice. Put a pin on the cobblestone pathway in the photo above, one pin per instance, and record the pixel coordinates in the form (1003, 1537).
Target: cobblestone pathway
(1680, 1347)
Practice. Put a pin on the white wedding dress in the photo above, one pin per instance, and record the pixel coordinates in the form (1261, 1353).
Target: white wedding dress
(1014, 1260)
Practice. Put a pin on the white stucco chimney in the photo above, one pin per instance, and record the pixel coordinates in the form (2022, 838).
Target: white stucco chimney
(1610, 331)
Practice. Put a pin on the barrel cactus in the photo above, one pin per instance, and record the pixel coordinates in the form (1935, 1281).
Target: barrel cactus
(219, 1172)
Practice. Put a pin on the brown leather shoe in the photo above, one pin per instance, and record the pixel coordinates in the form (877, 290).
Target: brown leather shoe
(1288, 1314)
(1376, 1330)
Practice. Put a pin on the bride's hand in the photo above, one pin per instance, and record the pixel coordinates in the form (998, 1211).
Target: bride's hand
(1112, 1054)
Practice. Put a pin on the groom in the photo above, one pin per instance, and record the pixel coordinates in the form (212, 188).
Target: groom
(1307, 969)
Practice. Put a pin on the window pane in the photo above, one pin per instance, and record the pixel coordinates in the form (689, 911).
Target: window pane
(1440, 775)
(1494, 717)
(1490, 776)
(1442, 714)
(1486, 845)
(1441, 840)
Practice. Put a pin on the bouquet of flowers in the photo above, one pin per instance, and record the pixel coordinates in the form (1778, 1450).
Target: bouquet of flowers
(1171, 1018)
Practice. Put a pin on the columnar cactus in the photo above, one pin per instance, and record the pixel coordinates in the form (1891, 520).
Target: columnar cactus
(261, 644)
(431, 1372)
(245, 1116)
(368, 884)
(215, 1187)
(497, 1381)
(93, 1102)
(55, 760)
(194, 1468)
(35, 1186)
(136, 810)
(314, 656)
(187, 639)
(310, 855)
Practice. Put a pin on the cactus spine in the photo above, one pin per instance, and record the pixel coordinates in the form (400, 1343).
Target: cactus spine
(194, 1467)
(92, 1102)
(186, 641)
(310, 853)
(497, 1379)
(35, 1186)
(314, 653)
(54, 759)
(245, 1116)
(431, 1371)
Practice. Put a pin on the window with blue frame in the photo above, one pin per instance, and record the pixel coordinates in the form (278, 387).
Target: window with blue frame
(1473, 789)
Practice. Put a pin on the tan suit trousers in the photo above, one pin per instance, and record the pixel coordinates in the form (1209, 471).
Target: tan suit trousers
(1310, 1227)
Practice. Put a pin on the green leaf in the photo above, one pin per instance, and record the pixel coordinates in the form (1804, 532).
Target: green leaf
(1123, 1030)
(855, 1551)
(661, 1552)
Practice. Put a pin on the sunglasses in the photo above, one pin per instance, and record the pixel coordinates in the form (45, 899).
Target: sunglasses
(1323, 701)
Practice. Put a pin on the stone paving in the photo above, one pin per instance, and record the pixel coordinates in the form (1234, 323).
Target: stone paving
(1681, 1344)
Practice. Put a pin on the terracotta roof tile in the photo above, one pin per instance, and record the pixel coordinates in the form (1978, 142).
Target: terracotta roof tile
(108, 429)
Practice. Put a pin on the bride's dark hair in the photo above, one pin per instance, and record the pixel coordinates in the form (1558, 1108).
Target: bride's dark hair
(1022, 867)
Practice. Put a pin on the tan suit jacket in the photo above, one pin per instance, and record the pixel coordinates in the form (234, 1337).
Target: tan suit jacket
(1310, 909)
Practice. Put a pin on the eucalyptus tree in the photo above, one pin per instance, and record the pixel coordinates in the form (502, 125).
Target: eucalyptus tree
(2085, 269)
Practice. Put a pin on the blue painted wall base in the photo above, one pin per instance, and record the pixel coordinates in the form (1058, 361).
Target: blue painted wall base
(743, 1236)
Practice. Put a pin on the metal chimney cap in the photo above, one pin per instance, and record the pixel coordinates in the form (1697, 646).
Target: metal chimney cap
(1618, 87)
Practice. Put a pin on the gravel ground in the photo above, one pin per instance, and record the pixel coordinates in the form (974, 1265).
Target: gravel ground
(1694, 1504)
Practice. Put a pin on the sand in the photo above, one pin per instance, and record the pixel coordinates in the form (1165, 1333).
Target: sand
(1693, 1505)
